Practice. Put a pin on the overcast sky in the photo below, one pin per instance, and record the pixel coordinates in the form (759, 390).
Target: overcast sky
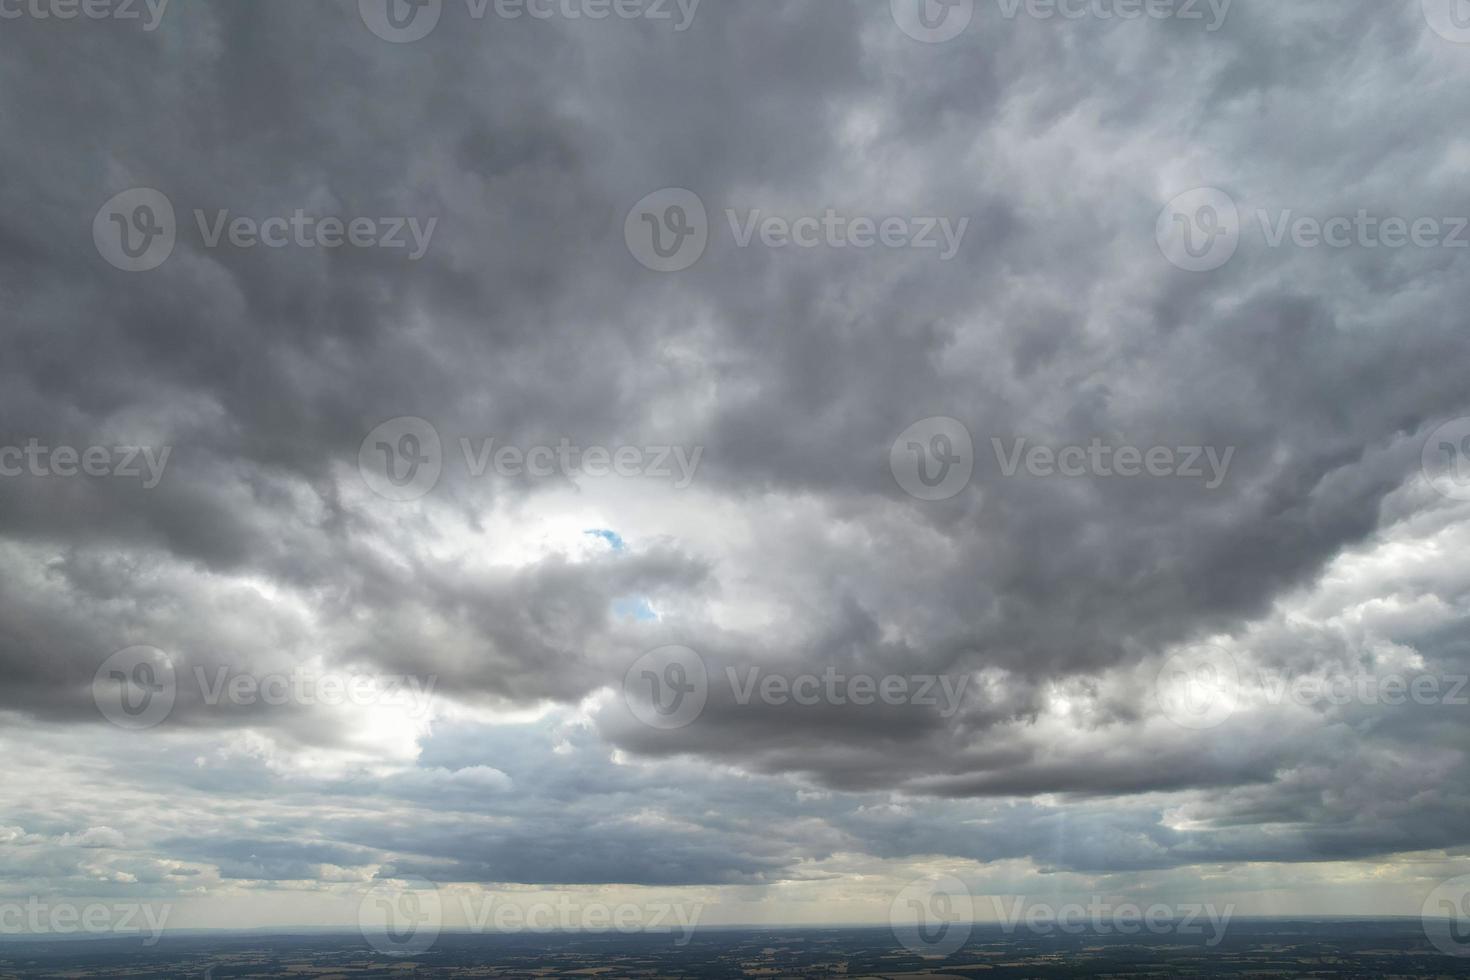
(747, 453)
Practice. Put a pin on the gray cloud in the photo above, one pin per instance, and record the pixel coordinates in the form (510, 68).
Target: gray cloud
(794, 549)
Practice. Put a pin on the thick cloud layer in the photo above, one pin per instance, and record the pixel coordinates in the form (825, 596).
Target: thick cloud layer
(765, 524)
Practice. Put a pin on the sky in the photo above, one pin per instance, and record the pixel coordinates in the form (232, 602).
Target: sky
(750, 457)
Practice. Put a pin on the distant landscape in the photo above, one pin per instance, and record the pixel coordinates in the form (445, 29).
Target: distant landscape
(1342, 948)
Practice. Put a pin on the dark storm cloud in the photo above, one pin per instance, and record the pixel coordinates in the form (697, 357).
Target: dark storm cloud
(527, 319)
